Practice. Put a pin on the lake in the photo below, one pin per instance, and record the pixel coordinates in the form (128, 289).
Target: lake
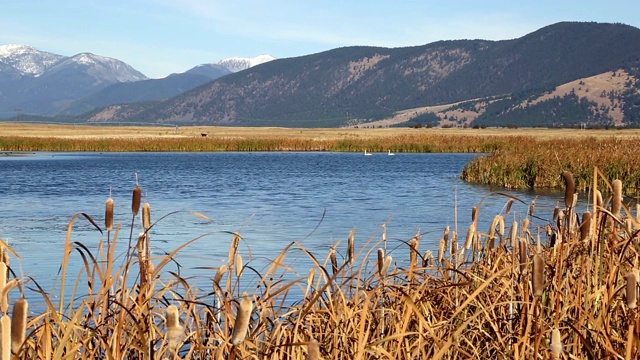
(270, 199)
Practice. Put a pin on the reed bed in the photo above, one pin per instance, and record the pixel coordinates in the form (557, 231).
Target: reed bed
(409, 143)
(534, 163)
(525, 288)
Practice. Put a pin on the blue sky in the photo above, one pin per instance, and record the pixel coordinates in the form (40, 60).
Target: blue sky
(159, 37)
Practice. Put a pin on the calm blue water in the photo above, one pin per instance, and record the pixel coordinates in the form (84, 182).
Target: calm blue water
(271, 199)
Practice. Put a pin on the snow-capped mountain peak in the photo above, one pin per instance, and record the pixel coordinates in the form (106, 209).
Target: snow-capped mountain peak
(27, 60)
(235, 64)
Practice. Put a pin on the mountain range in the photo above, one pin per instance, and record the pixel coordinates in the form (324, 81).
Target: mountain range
(42, 83)
(565, 74)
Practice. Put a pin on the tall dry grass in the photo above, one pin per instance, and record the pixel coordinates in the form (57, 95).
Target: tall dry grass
(539, 290)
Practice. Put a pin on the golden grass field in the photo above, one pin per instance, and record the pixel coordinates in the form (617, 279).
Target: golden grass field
(132, 132)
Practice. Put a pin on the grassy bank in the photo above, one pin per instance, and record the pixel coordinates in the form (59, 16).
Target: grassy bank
(513, 291)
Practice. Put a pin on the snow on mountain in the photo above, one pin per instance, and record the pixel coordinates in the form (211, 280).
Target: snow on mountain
(101, 67)
(235, 64)
(27, 60)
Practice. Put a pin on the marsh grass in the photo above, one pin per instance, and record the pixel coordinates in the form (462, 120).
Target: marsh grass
(540, 291)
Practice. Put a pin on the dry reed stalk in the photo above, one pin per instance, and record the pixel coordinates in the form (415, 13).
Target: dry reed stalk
(585, 227)
(146, 216)
(175, 331)
(135, 200)
(108, 215)
(221, 270)
(241, 325)
(313, 350)
(616, 199)
(19, 324)
(632, 290)
(538, 274)
(5, 337)
(351, 246)
(556, 343)
(569, 188)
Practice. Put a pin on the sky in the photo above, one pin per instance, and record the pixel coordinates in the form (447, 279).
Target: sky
(160, 37)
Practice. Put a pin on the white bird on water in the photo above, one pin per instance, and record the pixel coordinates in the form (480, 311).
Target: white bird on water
(390, 153)
(367, 153)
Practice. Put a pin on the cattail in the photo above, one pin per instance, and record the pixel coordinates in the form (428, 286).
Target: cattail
(441, 250)
(570, 188)
(427, 259)
(446, 236)
(135, 200)
(474, 214)
(351, 246)
(538, 274)
(241, 325)
(556, 343)
(470, 235)
(234, 249)
(523, 256)
(310, 279)
(3, 282)
(525, 225)
(598, 200)
(454, 246)
(632, 288)
(532, 206)
(146, 216)
(5, 337)
(19, 324)
(616, 199)
(414, 243)
(501, 226)
(143, 259)
(108, 215)
(585, 227)
(334, 260)
(513, 234)
(174, 329)
(380, 260)
(238, 265)
(509, 205)
(313, 350)
(386, 265)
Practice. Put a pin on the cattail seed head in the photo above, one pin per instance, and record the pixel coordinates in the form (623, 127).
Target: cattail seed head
(598, 200)
(108, 215)
(501, 226)
(351, 246)
(5, 337)
(525, 225)
(523, 256)
(19, 324)
(380, 260)
(313, 350)
(532, 207)
(538, 274)
(474, 214)
(569, 188)
(135, 200)
(334, 260)
(146, 216)
(616, 199)
(470, 235)
(556, 343)
(386, 265)
(441, 250)
(413, 251)
(241, 325)
(632, 290)
(174, 329)
(509, 205)
(238, 265)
